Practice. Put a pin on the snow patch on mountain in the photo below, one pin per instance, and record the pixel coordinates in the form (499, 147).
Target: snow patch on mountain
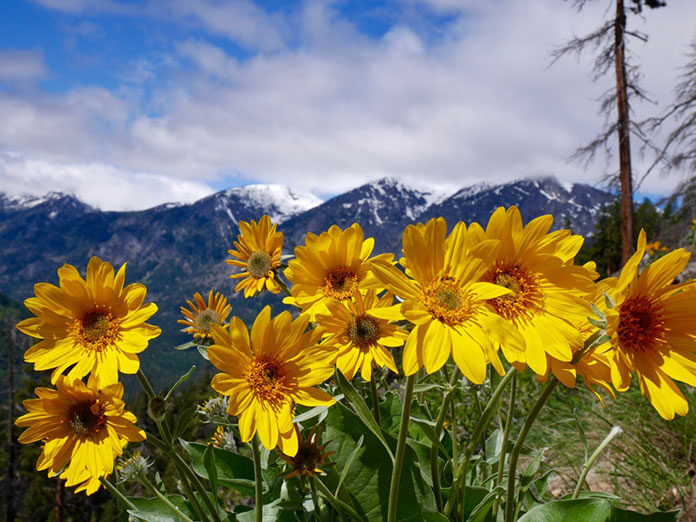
(280, 201)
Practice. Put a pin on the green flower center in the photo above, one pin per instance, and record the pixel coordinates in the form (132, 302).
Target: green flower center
(205, 318)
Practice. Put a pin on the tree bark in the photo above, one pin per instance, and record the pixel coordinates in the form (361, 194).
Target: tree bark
(625, 174)
(60, 496)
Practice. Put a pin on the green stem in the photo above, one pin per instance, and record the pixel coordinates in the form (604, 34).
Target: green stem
(164, 499)
(145, 384)
(506, 437)
(439, 423)
(517, 448)
(400, 449)
(375, 398)
(258, 477)
(616, 430)
(282, 285)
(115, 492)
(333, 500)
(460, 474)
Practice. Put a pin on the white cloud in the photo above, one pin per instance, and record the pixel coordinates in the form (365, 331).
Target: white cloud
(96, 184)
(342, 108)
(18, 66)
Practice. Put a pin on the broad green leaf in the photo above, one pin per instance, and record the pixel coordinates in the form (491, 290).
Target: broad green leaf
(480, 512)
(274, 511)
(595, 510)
(362, 411)
(154, 510)
(183, 420)
(209, 463)
(366, 483)
(234, 471)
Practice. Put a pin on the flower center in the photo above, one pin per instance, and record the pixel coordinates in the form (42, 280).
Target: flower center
(97, 329)
(340, 282)
(267, 380)
(308, 457)
(641, 326)
(526, 298)
(363, 331)
(259, 264)
(205, 318)
(447, 302)
(86, 418)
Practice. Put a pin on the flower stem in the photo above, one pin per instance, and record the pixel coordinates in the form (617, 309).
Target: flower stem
(517, 448)
(282, 285)
(439, 423)
(258, 477)
(115, 492)
(506, 437)
(460, 474)
(333, 500)
(375, 398)
(616, 430)
(400, 449)
(164, 499)
(145, 384)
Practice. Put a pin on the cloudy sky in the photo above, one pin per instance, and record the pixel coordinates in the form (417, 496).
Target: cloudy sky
(130, 104)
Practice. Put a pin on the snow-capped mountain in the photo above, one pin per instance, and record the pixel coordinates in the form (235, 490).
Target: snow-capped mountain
(576, 206)
(382, 208)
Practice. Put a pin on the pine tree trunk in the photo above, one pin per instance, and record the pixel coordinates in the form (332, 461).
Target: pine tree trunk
(60, 496)
(625, 175)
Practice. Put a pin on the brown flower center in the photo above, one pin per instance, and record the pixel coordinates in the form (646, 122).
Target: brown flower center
(363, 331)
(205, 318)
(267, 380)
(97, 329)
(526, 298)
(641, 326)
(86, 418)
(259, 264)
(308, 457)
(340, 283)
(447, 302)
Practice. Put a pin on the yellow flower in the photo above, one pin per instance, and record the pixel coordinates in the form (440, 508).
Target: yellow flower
(359, 334)
(98, 325)
(83, 428)
(265, 375)
(333, 265)
(202, 315)
(258, 253)
(654, 248)
(652, 329)
(444, 299)
(310, 455)
(548, 292)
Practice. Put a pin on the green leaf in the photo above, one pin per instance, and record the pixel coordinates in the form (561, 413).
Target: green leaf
(183, 420)
(597, 323)
(272, 512)
(203, 350)
(482, 509)
(581, 431)
(362, 411)
(595, 510)
(624, 515)
(427, 428)
(154, 510)
(181, 380)
(420, 388)
(367, 474)
(494, 445)
(234, 471)
(602, 316)
(348, 463)
(185, 346)
(209, 463)
(608, 300)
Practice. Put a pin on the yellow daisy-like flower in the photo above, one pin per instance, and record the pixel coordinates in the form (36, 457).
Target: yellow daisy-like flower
(332, 265)
(652, 329)
(360, 335)
(265, 375)
(444, 299)
(310, 455)
(258, 252)
(97, 324)
(548, 292)
(202, 315)
(83, 428)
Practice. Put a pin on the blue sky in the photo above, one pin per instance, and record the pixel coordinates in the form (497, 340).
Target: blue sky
(164, 100)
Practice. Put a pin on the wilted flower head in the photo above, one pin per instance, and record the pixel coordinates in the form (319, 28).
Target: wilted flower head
(223, 439)
(214, 409)
(131, 468)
